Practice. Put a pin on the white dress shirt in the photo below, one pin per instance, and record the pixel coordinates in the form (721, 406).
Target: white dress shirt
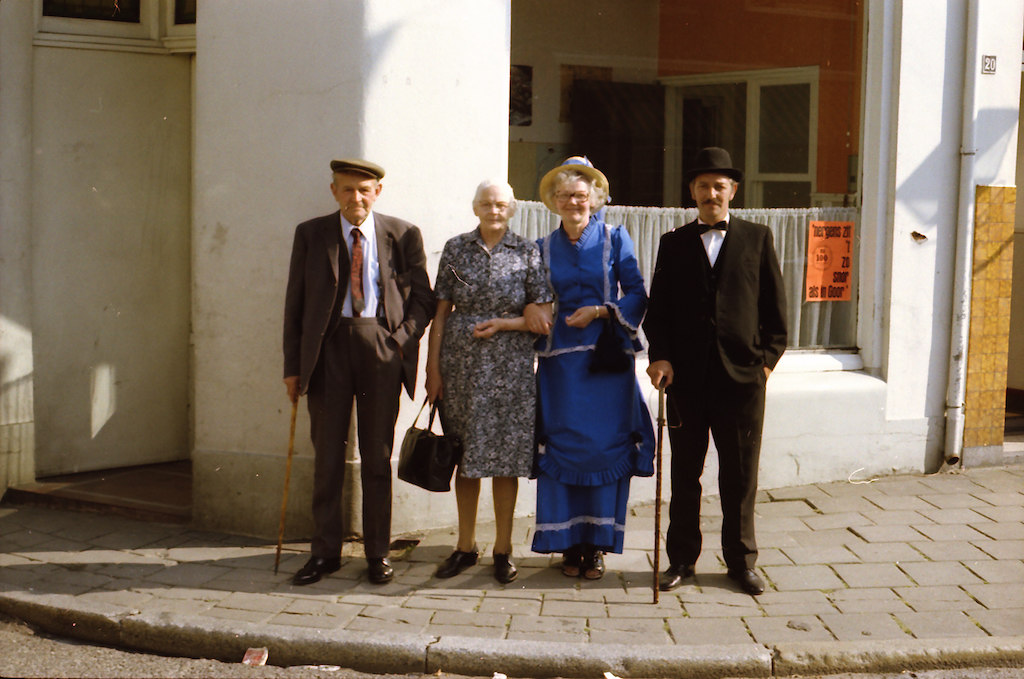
(713, 239)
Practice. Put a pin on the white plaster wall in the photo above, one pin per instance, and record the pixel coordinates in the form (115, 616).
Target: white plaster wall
(1001, 25)
(110, 265)
(420, 87)
(16, 365)
(926, 178)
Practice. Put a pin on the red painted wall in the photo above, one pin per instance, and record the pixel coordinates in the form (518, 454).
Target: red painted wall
(739, 35)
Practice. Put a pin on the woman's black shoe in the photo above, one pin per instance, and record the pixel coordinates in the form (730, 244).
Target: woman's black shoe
(593, 564)
(504, 570)
(456, 563)
(571, 562)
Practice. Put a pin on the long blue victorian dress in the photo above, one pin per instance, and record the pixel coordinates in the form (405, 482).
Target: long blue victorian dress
(594, 429)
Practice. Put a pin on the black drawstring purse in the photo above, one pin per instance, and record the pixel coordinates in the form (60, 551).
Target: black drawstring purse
(609, 356)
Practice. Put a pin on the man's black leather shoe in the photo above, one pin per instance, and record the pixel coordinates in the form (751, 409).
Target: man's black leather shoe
(749, 581)
(316, 568)
(456, 563)
(379, 570)
(504, 570)
(674, 576)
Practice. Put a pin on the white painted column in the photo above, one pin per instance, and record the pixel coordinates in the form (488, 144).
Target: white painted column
(282, 88)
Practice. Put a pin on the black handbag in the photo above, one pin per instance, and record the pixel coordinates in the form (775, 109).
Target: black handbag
(609, 356)
(427, 459)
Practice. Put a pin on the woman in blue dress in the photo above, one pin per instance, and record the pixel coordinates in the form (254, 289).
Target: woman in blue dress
(593, 427)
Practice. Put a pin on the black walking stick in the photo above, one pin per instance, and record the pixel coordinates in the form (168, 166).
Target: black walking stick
(657, 491)
(287, 479)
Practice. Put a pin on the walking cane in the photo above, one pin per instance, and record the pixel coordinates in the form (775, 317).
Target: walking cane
(657, 492)
(287, 479)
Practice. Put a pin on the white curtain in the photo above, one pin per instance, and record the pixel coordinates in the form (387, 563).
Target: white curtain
(811, 324)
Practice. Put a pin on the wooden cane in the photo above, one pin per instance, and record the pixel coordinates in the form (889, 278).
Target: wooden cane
(657, 491)
(287, 480)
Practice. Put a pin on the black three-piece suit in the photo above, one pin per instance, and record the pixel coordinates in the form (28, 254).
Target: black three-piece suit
(719, 328)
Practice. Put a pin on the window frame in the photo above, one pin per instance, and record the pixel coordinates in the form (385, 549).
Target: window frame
(753, 80)
(155, 32)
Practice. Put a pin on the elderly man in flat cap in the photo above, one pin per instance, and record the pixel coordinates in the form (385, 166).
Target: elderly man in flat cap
(358, 301)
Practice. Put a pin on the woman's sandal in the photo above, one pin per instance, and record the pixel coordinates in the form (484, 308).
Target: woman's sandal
(593, 565)
(572, 560)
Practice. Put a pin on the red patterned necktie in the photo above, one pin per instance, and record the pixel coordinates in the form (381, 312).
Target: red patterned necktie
(356, 276)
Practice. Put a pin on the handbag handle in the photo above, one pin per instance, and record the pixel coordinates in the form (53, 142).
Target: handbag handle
(433, 411)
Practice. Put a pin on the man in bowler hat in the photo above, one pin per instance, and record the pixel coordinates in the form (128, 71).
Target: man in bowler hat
(716, 325)
(357, 302)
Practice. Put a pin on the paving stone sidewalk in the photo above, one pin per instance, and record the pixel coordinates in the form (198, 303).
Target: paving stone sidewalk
(898, 572)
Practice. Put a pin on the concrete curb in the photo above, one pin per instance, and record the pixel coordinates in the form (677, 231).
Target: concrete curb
(481, 657)
(65, 615)
(888, 656)
(196, 636)
(203, 637)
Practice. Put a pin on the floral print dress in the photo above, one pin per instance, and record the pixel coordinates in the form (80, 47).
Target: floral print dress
(489, 385)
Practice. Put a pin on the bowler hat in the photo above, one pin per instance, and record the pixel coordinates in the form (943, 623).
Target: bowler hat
(579, 164)
(713, 160)
(358, 166)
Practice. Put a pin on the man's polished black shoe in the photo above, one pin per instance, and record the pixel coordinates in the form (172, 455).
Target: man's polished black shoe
(456, 563)
(749, 581)
(674, 576)
(379, 570)
(316, 568)
(504, 570)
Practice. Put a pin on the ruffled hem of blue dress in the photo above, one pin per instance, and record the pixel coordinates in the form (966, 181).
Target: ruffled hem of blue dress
(623, 467)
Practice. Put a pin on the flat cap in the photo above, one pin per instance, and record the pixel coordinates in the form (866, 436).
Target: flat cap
(359, 166)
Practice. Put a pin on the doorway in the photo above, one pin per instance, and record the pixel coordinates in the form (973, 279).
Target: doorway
(111, 259)
(1013, 435)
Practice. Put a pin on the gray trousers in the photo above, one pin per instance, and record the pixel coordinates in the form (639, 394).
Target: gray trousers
(355, 363)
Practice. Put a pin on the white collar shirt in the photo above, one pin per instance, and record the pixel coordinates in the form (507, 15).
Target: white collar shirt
(713, 239)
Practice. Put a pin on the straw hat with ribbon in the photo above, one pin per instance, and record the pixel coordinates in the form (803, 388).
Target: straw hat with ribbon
(579, 164)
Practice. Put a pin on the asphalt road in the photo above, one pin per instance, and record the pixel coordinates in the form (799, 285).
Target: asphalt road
(25, 652)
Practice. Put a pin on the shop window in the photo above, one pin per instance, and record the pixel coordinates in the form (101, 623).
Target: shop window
(160, 26)
(768, 121)
(640, 87)
(184, 11)
(99, 10)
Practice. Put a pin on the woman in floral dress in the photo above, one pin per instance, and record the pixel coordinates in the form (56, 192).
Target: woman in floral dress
(480, 367)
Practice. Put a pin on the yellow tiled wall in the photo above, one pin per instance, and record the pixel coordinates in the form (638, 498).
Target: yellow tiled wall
(985, 401)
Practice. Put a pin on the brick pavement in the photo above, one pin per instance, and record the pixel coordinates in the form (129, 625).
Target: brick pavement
(899, 560)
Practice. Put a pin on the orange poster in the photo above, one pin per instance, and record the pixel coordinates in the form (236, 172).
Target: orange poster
(829, 262)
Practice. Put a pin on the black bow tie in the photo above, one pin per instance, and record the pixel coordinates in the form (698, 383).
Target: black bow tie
(723, 226)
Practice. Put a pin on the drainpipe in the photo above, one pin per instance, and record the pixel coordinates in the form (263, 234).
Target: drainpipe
(961, 317)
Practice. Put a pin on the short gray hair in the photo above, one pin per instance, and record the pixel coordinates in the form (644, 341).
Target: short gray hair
(499, 184)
